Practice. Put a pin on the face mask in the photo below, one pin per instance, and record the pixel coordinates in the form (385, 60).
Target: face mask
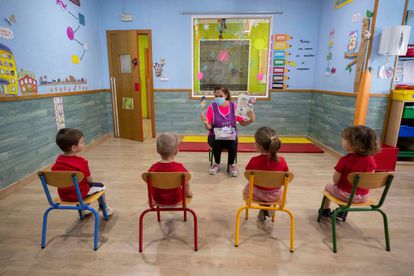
(219, 101)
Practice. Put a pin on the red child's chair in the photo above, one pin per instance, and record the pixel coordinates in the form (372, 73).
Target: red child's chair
(164, 180)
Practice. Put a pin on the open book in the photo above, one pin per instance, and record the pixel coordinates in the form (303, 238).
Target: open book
(244, 104)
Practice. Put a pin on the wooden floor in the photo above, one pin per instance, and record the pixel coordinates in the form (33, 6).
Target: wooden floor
(168, 246)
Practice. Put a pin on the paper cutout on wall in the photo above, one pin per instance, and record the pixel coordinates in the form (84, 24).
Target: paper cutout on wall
(67, 84)
(279, 61)
(199, 75)
(27, 83)
(8, 72)
(11, 19)
(330, 70)
(70, 32)
(75, 59)
(341, 3)
(76, 2)
(59, 114)
(6, 33)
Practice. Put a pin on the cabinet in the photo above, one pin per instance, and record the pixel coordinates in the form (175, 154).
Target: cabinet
(400, 129)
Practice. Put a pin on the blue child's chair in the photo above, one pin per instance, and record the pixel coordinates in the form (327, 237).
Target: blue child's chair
(68, 179)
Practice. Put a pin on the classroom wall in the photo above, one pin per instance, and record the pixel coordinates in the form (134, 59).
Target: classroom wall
(171, 32)
(28, 130)
(42, 47)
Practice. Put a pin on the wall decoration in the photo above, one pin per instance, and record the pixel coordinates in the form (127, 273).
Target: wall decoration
(341, 3)
(330, 70)
(8, 72)
(356, 17)
(11, 19)
(59, 114)
(222, 27)
(158, 68)
(279, 55)
(358, 57)
(70, 32)
(305, 52)
(67, 84)
(27, 83)
(6, 33)
(76, 2)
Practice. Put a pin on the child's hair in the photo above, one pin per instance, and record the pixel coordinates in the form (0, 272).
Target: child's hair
(68, 137)
(267, 138)
(225, 91)
(361, 139)
(167, 144)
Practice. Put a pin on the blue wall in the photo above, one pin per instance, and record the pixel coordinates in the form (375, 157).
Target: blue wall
(171, 32)
(41, 45)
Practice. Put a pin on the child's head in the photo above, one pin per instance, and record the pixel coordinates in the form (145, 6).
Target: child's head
(222, 91)
(167, 145)
(359, 139)
(267, 141)
(70, 140)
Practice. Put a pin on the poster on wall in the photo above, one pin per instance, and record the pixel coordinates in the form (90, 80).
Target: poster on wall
(280, 47)
(59, 115)
(8, 72)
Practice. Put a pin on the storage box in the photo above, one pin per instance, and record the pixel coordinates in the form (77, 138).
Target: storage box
(408, 112)
(406, 131)
(403, 95)
(386, 159)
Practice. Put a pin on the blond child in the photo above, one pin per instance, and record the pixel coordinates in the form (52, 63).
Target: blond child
(167, 147)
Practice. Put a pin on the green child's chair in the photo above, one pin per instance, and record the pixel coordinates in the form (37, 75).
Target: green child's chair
(366, 181)
(69, 179)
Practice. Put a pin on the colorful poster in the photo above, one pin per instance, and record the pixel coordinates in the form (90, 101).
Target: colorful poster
(127, 103)
(8, 72)
(59, 115)
(279, 61)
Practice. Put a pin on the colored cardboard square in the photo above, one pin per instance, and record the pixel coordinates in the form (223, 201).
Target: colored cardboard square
(81, 18)
(278, 62)
(75, 59)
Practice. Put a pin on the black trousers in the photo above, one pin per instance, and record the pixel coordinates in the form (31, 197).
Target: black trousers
(219, 145)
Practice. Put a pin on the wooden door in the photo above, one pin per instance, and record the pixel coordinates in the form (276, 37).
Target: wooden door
(124, 73)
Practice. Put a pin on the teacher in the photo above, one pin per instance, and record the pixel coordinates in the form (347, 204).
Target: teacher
(220, 120)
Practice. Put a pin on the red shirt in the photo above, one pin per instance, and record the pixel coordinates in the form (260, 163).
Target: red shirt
(167, 196)
(353, 162)
(263, 163)
(72, 163)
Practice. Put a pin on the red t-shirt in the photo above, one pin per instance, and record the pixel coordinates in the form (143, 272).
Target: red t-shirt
(73, 163)
(264, 163)
(167, 196)
(350, 163)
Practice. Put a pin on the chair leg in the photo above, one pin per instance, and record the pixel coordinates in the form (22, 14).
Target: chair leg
(102, 204)
(195, 229)
(44, 228)
(321, 209)
(236, 238)
(387, 237)
(80, 213)
(333, 219)
(274, 214)
(246, 216)
(95, 239)
(158, 214)
(292, 229)
(185, 215)
(141, 225)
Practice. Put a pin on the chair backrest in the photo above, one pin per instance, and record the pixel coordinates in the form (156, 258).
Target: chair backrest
(166, 180)
(370, 180)
(61, 179)
(268, 179)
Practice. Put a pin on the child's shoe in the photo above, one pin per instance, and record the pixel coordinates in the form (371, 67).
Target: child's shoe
(233, 171)
(261, 216)
(86, 213)
(109, 211)
(270, 213)
(326, 213)
(342, 215)
(214, 169)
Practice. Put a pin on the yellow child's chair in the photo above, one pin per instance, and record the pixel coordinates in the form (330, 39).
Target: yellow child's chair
(267, 179)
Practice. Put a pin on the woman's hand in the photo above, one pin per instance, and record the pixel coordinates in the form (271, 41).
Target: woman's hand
(251, 115)
(205, 122)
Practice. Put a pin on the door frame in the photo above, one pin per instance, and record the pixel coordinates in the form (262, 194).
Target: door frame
(150, 86)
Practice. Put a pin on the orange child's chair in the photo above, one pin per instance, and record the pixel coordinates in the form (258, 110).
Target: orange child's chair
(164, 180)
(267, 179)
(70, 179)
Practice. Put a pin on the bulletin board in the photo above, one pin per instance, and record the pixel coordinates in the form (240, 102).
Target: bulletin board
(232, 52)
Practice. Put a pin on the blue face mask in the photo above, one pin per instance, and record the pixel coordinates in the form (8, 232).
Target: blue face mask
(219, 101)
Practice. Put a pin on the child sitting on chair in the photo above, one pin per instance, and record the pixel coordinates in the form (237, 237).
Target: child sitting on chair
(70, 141)
(167, 147)
(267, 144)
(360, 142)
